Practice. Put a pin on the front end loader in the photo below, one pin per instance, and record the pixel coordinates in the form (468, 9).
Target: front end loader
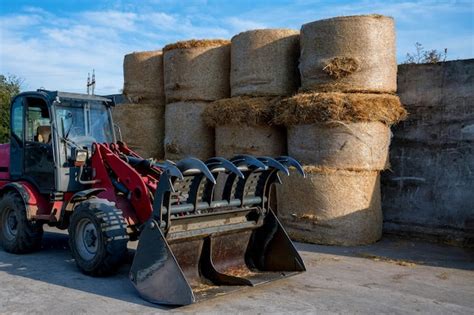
(205, 228)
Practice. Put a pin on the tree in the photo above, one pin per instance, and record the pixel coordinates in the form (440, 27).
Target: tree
(425, 56)
(9, 86)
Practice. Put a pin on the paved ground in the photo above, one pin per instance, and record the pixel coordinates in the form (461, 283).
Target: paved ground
(393, 276)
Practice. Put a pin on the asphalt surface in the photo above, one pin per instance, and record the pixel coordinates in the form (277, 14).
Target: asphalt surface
(394, 276)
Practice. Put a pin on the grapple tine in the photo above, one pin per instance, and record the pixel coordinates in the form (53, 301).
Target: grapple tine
(171, 169)
(225, 164)
(270, 162)
(289, 161)
(193, 164)
(248, 161)
(165, 187)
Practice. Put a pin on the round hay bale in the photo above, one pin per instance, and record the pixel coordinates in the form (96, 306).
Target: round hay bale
(232, 140)
(349, 146)
(142, 128)
(349, 54)
(243, 126)
(310, 108)
(265, 63)
(251, 111)
(331, 207)
(197, 70)
(186, 134)
(143, 76)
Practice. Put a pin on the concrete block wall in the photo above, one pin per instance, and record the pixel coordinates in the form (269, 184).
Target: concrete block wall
(429, 191)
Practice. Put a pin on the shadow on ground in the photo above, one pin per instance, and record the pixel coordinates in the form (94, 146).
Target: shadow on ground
(399, 250)
(54, 265)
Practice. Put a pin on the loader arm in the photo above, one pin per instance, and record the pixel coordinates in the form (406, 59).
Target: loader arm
(118, 176)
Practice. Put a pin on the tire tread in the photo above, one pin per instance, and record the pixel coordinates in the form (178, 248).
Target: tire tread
(114, 236)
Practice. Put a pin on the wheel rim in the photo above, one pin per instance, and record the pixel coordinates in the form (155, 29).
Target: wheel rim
(10, 224)
(86, 239)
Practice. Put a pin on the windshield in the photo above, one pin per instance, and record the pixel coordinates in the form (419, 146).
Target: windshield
(84, 122)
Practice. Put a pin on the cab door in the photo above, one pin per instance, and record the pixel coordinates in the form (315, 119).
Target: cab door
(39, 166)
(17, 122)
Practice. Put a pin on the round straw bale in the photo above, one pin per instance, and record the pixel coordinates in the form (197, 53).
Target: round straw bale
(197, 70)
(265, 62)
(309, 108)
(186, 135)
(142, 128)
(331, 207)
(349, 54)
(349, 146)
(260, 140)
(143, 76)
(251, 111)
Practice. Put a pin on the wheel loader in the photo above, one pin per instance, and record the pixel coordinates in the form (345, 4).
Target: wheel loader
(64, 167)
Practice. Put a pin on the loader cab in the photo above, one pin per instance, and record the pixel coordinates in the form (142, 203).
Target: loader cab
(47, 131)
(32, 157)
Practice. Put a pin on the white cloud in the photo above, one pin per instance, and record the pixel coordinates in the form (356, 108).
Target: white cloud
(124, 21)
(60, 56)
(160, 20)
(241, 25)
(57, 51)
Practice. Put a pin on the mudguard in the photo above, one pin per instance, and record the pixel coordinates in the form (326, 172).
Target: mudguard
(35, 203)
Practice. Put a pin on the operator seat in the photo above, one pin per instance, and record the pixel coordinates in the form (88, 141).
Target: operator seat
(43, 134)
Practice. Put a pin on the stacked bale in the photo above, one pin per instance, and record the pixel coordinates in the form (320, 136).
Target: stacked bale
(265, 63)
(263, 68)
(141, 120)
(242, 126)
(195, 73)
(186, 134)
(339, 128)
(142, 129)
(331, 206)
(349, 54)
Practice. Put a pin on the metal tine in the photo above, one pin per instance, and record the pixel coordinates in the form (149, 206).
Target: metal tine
(171, 169)
(248, 161)
(218, 162)
(193, 166)
(165, 186)
(289, 161)
(270, 162)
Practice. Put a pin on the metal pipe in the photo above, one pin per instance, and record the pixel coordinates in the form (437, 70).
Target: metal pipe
(86, 182)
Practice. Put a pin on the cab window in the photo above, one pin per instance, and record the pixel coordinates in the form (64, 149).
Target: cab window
(17, 118)
(38, 127)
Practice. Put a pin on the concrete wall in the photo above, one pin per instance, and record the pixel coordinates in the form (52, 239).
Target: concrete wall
(430, 188)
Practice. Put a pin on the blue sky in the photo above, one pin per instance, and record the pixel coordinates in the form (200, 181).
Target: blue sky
(54, 44)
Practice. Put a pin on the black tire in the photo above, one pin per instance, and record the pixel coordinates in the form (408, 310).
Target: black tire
(98, 237)
(17, 234)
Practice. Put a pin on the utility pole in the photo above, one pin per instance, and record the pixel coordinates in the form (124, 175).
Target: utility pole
(91, 82)
(88, 82)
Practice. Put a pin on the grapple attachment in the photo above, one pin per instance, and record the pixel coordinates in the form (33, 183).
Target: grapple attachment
(204, 240)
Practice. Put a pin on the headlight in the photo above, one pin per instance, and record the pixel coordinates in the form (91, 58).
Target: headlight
(81, 158)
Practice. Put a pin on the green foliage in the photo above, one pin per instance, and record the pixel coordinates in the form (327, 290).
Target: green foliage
(425, 56)
(9, 87)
